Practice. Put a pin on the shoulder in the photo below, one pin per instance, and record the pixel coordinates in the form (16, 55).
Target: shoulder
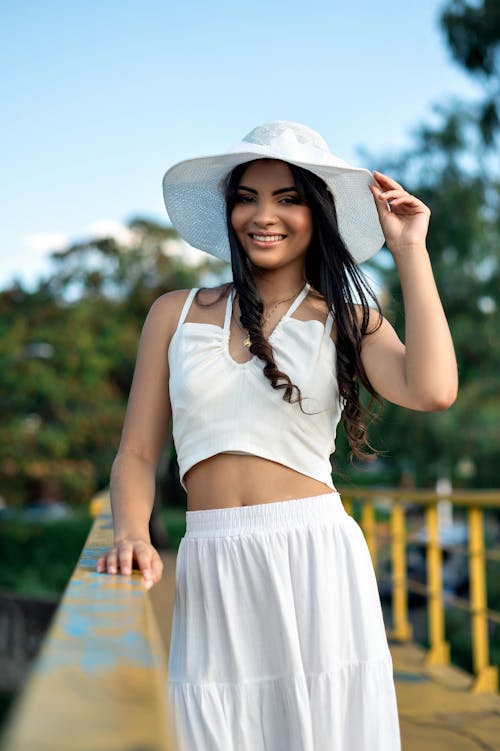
(167, 308)
(164, 313)
(371, 320)
(171, 301)
(179, 296)
(169, 305)
(380, 341)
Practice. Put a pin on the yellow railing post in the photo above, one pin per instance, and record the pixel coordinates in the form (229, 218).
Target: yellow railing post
(486, 675)
(347, 503)
(369, 530)
(402, 629)
(439, 652)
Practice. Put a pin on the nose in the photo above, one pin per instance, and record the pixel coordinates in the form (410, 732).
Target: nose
(264, 214)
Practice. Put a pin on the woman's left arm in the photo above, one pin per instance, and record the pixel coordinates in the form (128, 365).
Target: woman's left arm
(422, 373)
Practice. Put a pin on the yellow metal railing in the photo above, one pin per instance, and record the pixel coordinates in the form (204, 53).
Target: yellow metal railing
(99, 681)
(485, 674)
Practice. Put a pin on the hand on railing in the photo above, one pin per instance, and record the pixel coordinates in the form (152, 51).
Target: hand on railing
(120, 558)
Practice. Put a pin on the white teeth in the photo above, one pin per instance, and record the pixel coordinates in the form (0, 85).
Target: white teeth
(268, 238)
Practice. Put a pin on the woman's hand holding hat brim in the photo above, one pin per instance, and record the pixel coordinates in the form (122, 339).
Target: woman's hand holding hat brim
(403, 217)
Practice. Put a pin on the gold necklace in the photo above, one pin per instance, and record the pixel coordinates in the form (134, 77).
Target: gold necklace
(246, 340)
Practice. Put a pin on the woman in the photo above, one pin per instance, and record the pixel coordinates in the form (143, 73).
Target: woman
(278, 639)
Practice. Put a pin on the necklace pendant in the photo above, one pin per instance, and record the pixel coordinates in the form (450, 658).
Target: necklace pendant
(247, 342)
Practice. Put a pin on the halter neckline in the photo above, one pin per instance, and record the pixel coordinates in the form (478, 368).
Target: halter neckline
(291, 309)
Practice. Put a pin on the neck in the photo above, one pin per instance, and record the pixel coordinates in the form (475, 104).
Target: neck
(274, 287)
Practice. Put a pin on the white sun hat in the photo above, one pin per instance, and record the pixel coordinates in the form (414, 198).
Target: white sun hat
(194, 188)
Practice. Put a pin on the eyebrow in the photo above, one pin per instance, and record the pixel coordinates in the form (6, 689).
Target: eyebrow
(274, 193)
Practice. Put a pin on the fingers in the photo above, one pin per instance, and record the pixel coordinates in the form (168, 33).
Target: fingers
(389, 195)
(107, 562)
(385, 181)
(145, 564)
(151, 566)
(381, 202)
(386, 190)
(397, 198)
(405, 202)
(157, 568)
(121, 556)
(126, 556)
(114, 558)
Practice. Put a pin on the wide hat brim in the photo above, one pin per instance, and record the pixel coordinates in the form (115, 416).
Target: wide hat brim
(193, 191)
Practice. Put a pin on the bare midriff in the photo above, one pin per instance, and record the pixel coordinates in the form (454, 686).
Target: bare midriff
(227, 480)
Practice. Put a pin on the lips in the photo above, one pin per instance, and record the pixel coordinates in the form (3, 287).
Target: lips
(266, 238)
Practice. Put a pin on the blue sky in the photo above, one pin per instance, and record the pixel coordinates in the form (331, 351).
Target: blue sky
(100, 97)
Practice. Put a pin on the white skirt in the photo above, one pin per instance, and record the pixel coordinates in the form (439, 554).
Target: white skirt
(278, 640)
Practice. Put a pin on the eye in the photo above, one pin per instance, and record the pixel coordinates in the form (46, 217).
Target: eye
(244, 198)
(289, 200)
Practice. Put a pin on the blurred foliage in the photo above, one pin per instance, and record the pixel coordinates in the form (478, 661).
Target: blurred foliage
(472, 31)
(67, 349)
(174, 522)
(38, 557)
(452, 165)
(67, 352)
(455, 172)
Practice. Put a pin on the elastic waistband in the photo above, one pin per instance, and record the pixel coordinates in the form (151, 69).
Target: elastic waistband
(237, 520)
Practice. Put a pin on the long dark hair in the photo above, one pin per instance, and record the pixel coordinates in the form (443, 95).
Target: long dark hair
(332, 271)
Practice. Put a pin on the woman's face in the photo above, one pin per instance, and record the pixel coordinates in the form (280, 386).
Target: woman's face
(271, 222)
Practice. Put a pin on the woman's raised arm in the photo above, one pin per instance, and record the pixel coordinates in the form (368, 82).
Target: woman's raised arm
(422, 373)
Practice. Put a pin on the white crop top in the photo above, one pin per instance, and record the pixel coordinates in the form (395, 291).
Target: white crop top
(220, 405)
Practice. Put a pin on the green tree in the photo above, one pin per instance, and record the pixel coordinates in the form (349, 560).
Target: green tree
(473, 35)
(447, 169)
(453, 166)
(67, 353)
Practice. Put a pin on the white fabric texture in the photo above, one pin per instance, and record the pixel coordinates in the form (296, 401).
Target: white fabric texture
(219, 404)
(278, 641)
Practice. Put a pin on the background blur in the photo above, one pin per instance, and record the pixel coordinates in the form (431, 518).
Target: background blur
(100, 98)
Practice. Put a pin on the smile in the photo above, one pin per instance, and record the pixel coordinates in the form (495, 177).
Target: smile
(266, 238)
